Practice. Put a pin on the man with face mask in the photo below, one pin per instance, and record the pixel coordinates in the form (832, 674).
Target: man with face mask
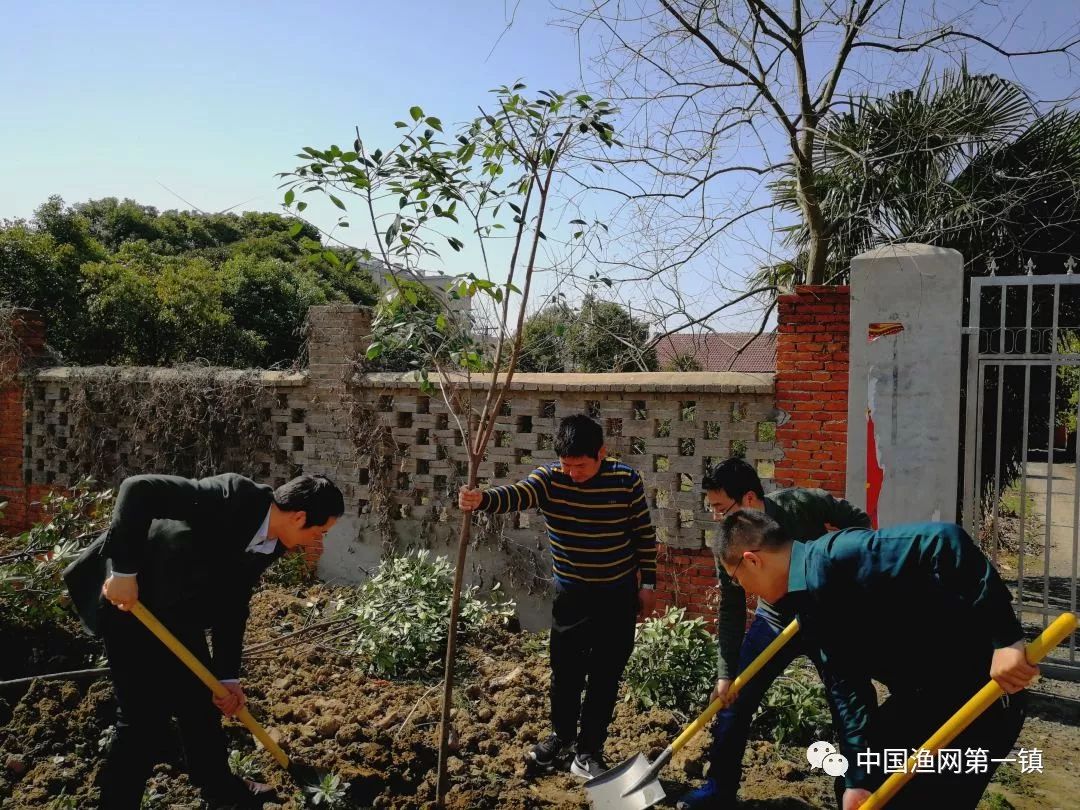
(806, 514)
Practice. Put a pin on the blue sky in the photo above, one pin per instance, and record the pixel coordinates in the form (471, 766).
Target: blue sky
(206, 101)
(212, 98)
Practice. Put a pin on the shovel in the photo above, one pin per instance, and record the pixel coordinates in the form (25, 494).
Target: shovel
(1036, 651)
(303, 775)
(633, 784)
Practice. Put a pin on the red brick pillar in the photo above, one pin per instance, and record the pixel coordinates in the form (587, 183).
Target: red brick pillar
(22, 339)
(812, 386)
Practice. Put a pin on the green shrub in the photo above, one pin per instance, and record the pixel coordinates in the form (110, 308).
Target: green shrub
(794, 710)
(995, 801)
(32, 592)
(401, 614)
(673, 665)
(63, 802)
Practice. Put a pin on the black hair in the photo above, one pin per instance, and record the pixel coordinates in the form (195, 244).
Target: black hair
(748, 530)
(579, 435)
(315, 495)
(736, 477)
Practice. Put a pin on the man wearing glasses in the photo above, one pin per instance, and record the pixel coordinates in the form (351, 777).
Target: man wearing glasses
(805, 514)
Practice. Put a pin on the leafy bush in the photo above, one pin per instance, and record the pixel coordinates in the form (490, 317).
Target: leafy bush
(794, 710)
(32, 591)
(599, 336)
(993, 800)
(63, 802)
(412, 326)
(673, 665)
(544, 343)
(401, 614)
(120, 282)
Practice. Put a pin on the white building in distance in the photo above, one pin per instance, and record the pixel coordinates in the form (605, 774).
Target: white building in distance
(438, 283)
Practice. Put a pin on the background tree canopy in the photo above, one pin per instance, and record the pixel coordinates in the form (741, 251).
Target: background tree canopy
(597, 337)
(120, 282)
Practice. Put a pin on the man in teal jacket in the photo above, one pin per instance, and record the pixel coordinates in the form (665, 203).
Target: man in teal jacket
(805, 514)
(918, 608)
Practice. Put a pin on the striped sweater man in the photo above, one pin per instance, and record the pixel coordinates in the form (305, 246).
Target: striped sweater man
(603, 551)
(600, 530)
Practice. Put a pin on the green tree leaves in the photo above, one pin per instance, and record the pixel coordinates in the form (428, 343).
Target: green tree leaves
(600, 336)
(962, 160)
(119, 282)
(427, 192)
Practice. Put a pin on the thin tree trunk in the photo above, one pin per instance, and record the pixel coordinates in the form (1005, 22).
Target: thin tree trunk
(464, 535)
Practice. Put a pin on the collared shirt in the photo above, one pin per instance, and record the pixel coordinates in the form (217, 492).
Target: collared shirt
(262, 543)
(916, 607)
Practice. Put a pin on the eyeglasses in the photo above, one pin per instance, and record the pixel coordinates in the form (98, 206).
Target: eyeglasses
(722, 512)
(740, 562)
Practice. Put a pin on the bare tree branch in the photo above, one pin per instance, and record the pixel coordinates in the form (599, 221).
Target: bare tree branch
(753, 337)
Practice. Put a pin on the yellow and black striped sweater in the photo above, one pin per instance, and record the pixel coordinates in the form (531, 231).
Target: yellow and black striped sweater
(600, 529)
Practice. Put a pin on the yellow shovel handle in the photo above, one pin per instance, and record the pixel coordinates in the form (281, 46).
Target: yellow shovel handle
(739, 683)
(984, 699)
(195, 665)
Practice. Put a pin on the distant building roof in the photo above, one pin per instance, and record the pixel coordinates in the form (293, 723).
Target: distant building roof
(714, 351)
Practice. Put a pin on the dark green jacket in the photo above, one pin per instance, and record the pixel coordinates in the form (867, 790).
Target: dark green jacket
(187, 542)
(803, 514)
(918, 608)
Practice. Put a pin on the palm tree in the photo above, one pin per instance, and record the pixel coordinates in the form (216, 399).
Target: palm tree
(962, 161)
(965, 161)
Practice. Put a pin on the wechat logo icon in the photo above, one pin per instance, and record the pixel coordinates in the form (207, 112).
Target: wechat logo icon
(823, 755)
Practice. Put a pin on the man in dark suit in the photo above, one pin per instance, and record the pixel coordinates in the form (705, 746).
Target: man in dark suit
(192, 551)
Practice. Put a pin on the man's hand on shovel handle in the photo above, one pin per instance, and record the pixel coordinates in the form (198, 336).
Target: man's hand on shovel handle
(854, 798)
(721, 690)
(1010, 668)
(234, 701)
(121, 591)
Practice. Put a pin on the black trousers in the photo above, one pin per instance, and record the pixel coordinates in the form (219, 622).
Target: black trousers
(592, 636)
(907, 721)
(152, 685)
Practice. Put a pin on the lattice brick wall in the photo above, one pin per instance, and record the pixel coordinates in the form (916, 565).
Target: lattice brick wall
(306, 419)
(669, 436)
(668, 428)
(281, 410)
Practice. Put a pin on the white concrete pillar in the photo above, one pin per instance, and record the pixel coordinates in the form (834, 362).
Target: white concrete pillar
(904, 384)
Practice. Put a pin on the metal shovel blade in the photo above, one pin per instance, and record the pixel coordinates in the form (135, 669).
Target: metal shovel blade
(606, 791)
